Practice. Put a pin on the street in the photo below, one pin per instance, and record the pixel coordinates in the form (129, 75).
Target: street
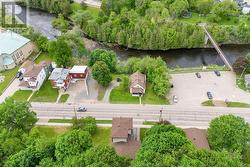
(181, 116)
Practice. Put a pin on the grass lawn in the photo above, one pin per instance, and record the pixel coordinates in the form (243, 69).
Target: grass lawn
(241, 83)
(238, 104)
(151, 98)
(8, 76)
(45, 94)
(43, 56)
(198, 69)
(120, 96)
(69, 121)
(63, 98)
(52, 131)
(149, 123)
(102, 136)
(93, 10)
(207, 103)
(22, 95)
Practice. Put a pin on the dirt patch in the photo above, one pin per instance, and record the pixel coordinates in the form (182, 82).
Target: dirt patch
(219, 103)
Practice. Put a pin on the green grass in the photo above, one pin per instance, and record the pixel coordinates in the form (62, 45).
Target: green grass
(207, 103)
(22, 95)
(241, 83)
(120, 96)
(9, 75)
(151, 98)
(93, 10)
(198, 69)
(102, 136)
(43, 57)
(70, 121)
(45, 94)
(63, 98)
(51, 131)
(149, 123)
(238, 104)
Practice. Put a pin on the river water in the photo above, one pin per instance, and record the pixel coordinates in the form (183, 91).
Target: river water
(41, 21)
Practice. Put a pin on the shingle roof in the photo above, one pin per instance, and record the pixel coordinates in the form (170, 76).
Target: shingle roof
(138, 78)
(59, 74)
(33, 72)
(10, 42)
(198, 137)
(121, 126)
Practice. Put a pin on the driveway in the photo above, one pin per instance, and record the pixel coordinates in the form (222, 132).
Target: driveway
(191, 90)
(78, 93)
(13, 87)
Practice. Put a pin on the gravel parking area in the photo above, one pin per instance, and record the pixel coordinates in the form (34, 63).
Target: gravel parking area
(191, 90)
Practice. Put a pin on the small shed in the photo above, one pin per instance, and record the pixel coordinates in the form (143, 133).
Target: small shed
(137, 84)
(247, 80)
(122, 129)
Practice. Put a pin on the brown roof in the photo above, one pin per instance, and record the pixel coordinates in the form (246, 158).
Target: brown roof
(27, 64)
(198, 137)
(138, 78)
(121, 126)
(33, 72)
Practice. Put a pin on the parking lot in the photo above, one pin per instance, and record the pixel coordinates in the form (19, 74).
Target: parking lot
(191, 90)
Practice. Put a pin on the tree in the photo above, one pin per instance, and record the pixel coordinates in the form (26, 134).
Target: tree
(248, 56)
(228, 132)
(72, 143)
(240, 64)
(178, 7)
(104, 154)
(81, 18)
(86, 124)
(101, 73)
(204, 6)
(225, 8)
(61, 52)
(17, 115)
(108, 57)
(61, 23)
(158, 129)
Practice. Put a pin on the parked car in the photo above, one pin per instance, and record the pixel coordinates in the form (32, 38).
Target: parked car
(175, 99)
(198, 75)
(18, 74)
(209, 95)
(81, 109)
(172, 86)
(21, 78)
(217, 73)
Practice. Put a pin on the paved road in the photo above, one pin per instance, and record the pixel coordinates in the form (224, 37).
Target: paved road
(181, 116)
(94, 3)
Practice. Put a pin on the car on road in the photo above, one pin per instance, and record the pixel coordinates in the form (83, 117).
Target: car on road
(198, 75)
(217, 73)
(81, 109)
(209, 95)
(18, 74)
(175, 99)
(21, 78)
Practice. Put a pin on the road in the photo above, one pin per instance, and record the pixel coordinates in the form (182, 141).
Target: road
(94, 3)
(180, 116)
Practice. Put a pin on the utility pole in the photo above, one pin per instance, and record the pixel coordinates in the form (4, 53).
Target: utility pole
(160, 119)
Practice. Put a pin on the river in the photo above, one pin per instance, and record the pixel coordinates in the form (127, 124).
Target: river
(41, 21)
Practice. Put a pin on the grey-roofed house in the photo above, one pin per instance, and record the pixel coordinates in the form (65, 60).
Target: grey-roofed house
(122, 129)
(137, 84)
(14, 49)
(247, 80)
(60, 78)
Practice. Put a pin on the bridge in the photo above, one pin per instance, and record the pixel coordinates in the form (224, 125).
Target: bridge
(217, 47)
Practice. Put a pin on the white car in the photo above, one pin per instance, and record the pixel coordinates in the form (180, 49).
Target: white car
(175, 99)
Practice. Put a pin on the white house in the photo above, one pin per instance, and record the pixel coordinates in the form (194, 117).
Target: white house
(33, 77)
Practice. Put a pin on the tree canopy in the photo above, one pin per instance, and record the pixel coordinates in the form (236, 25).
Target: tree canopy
(101, 73)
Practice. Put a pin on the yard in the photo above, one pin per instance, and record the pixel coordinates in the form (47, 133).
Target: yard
(22, 95)
(229, 104)
(93, 10)
(64, 98)
(45, 94)
(51, 131)
(8, 76)
(102, 136)
(43, 57)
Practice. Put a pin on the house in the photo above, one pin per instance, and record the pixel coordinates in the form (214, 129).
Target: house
(247, 80)
(198, 137)
(14, 49)
(60, 78)
(34, 76)
(78, 73)
(122, 129)
(137, 84)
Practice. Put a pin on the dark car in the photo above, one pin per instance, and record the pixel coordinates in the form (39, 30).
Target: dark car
(217, 73)
(21, 78)
(209, 95)
(198, 75)
(18, 74)
(81, 109)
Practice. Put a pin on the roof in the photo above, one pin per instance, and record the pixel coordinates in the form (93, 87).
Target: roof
(59, 74)
(33, 71)
(198, 137)
(247, 78)
(121, 126)
(10, 42)
(78, 69)
(138, 79)
(45, 63)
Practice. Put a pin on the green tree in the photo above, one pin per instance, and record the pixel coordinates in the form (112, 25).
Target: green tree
(86, 124)
(61, 23)
(17, 115)
(101, 73)
(108, 57)
(240, 65)
(61, 52)
(204, 6)
(178, 7)
(225, 8)
(228, 132)
(72, 143)
(81, 18)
